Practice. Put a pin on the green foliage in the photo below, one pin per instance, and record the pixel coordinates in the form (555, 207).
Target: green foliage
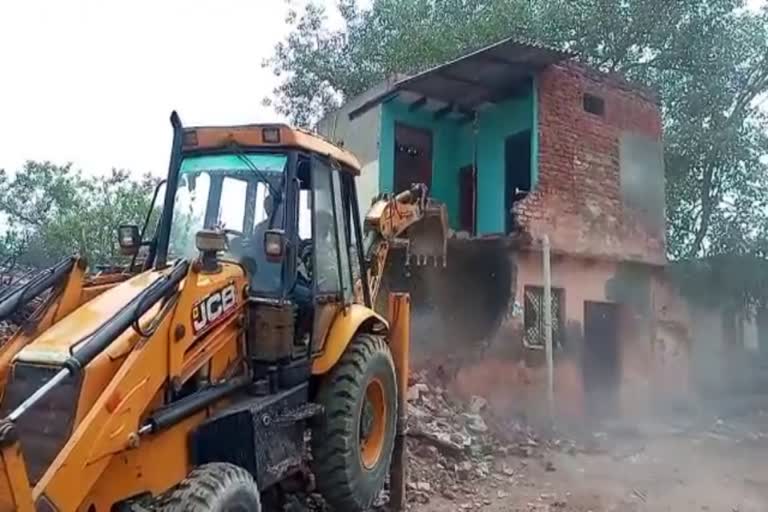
(708, 59)
(52, 211)
(728, 281)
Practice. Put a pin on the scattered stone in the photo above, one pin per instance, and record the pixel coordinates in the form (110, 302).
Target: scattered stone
(475, 423)
(522, 451)
(454, 446)
(415, 391)
(427, 451)
(477, 404)
(464, 470)
(424, 486)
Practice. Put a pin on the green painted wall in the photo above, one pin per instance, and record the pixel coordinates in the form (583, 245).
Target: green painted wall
(444, 136)
(454, 147)
(494, 126)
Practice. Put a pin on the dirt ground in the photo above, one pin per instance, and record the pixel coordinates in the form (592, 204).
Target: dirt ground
(713, 465)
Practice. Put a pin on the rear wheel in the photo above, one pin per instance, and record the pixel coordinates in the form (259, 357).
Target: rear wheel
(214, 487)
(352, 444)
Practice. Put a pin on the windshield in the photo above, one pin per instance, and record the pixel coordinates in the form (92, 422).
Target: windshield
(239, 194)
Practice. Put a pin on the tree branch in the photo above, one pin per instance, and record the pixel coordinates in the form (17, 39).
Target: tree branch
(13, 212)
(756, 85)
(707, 206)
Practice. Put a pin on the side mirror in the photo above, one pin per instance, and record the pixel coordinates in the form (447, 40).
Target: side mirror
(274, 245)
(129, 239)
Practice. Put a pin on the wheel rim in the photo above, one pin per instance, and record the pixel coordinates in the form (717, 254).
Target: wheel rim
(373, 424)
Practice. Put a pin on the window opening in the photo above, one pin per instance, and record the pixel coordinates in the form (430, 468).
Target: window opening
(594, 104)
(533, 312)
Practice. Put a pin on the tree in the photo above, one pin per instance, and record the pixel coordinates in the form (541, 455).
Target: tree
(53, 211)
(707, 58)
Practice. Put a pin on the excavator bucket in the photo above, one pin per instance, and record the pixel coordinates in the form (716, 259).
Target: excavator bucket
(428, 238)
(457, 307)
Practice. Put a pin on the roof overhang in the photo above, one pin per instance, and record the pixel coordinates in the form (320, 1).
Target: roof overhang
(472, 82)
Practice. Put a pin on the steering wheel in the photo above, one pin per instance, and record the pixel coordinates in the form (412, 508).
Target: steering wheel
(305, 258)
(233, 232)
(235, 241)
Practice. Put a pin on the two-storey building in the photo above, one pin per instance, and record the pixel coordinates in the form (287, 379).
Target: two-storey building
(523, 142)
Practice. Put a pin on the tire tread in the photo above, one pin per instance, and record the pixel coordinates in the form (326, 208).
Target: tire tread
(333, 442)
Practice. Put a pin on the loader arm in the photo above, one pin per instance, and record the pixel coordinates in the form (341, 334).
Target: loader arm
(70, 286)
(110, 426)
(66, 281)
(411, 218)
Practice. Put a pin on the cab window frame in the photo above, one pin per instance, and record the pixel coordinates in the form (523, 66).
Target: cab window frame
(354, 225)
(342, 195)
(324, 295)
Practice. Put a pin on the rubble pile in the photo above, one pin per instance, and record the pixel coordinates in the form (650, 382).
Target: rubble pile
(453, 446)
(458, 451)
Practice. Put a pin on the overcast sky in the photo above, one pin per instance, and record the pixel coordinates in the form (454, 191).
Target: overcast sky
(93, 81)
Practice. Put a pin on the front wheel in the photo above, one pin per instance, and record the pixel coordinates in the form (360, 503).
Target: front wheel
(216, 487)
(352, 444)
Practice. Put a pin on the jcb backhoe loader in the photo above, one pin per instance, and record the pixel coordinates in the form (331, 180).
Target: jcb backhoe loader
(190, 381)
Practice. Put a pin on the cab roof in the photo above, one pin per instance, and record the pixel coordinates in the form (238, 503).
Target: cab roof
(275, 136)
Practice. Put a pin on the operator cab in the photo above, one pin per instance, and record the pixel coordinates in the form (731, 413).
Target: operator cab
(240, 197)
(285, 201)
(281, 203)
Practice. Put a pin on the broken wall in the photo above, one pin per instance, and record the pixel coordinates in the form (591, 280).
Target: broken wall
(653, 341)
(600, 188)
(729, 369)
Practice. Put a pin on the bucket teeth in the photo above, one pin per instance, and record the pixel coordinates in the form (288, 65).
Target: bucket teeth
(428, 238)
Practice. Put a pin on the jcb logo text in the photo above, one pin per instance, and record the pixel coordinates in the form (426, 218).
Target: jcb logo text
(213, 308)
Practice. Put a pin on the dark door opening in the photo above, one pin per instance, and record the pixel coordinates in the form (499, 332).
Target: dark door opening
(413, 157)
(468, 199)
(601, 364)
(517, 165)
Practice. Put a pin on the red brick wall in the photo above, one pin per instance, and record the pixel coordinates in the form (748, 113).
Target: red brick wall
(577, 200)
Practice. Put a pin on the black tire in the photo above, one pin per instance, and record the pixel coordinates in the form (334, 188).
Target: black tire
(345, 481)
(216, 487)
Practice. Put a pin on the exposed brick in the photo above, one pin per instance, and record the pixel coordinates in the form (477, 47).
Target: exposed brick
(579, 189)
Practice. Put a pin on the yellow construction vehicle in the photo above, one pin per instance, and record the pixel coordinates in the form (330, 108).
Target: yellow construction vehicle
(244, 324)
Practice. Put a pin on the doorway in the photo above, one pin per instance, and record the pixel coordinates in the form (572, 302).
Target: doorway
(468, 199)
(413, 157)
(601, 362)
(517, 173)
